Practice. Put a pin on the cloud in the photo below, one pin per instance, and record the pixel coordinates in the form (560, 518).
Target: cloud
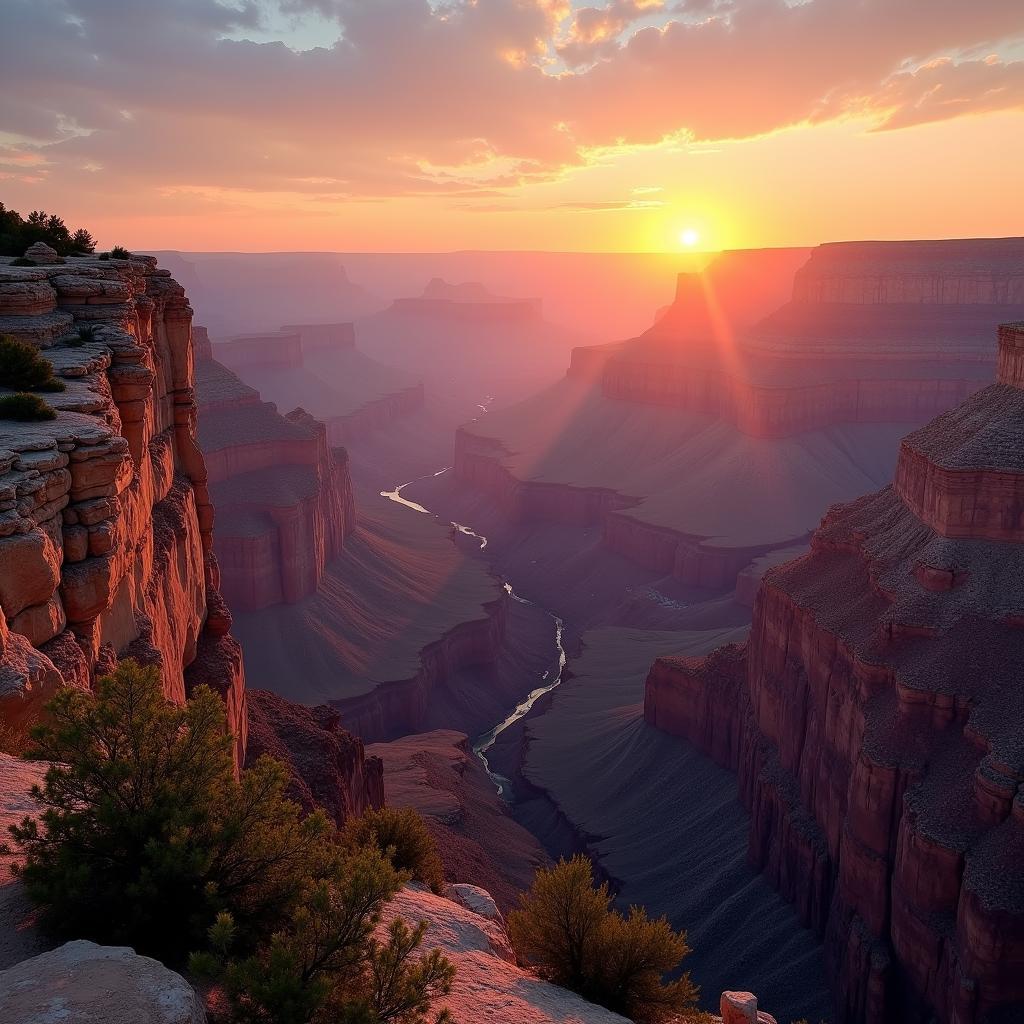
(407, 97)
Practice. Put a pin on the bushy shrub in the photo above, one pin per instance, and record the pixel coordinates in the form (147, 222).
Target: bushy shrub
(402, 835)
(567, 930)
(22, 365)
(26, 408)
(146, 834)
(119, 252)
(83, 334)
(148, 839)
(325, 965)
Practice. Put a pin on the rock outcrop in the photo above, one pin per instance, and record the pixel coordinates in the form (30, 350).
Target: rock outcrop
(488, 985)
(106, 524)
(875, 721)
(328, 766)
(284, 497)
(90, 984)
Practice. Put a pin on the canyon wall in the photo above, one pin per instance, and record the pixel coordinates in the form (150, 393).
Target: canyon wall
(875, 722)
(106, 520)
(284, 497)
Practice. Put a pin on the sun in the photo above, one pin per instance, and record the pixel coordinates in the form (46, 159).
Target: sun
(689, 237)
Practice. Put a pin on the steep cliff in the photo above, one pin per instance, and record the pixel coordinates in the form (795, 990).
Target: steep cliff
(284, 498)
(874, 720)
(106, 520)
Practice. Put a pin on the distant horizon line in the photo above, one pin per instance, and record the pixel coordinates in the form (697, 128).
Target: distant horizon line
(573, 252)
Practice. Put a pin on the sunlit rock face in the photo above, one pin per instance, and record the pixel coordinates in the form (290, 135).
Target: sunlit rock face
(283, 495)
(875, 721)
(106, 520)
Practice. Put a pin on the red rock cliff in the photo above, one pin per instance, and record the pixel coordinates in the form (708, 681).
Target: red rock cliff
(875, 721)
(105, 516)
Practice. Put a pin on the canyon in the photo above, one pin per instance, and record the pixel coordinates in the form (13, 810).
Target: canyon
(873, 721)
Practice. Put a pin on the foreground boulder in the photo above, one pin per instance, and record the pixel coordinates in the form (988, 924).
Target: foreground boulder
(488, 985)
(83, 983)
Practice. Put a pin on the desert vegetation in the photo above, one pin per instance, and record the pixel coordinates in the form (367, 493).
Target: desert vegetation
(147, 838)
(17, 233)
(23, 366)
(401, 835)
(567, 930)
(25, 407)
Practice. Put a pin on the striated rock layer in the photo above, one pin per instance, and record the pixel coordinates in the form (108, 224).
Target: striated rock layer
(106, 524)
(874, 719)
(284, 497)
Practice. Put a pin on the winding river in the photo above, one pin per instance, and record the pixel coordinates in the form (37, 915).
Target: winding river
(548, 681)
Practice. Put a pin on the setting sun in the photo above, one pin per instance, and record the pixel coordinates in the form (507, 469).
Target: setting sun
(689, 237)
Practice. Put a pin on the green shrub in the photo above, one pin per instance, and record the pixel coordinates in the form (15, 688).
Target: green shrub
(84, 333)
(22, 365)
(146, 834)
(401, 834)
(325, 965)
(566, 929)
(119, 252)
(25, 407)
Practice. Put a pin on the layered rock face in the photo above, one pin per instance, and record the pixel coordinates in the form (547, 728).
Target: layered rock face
(284, 497)
(875, 716)
(106, 522)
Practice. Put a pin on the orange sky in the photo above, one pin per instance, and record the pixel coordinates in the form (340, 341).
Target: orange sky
(612, 125)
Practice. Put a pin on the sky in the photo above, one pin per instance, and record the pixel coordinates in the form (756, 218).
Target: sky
(570, 125)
